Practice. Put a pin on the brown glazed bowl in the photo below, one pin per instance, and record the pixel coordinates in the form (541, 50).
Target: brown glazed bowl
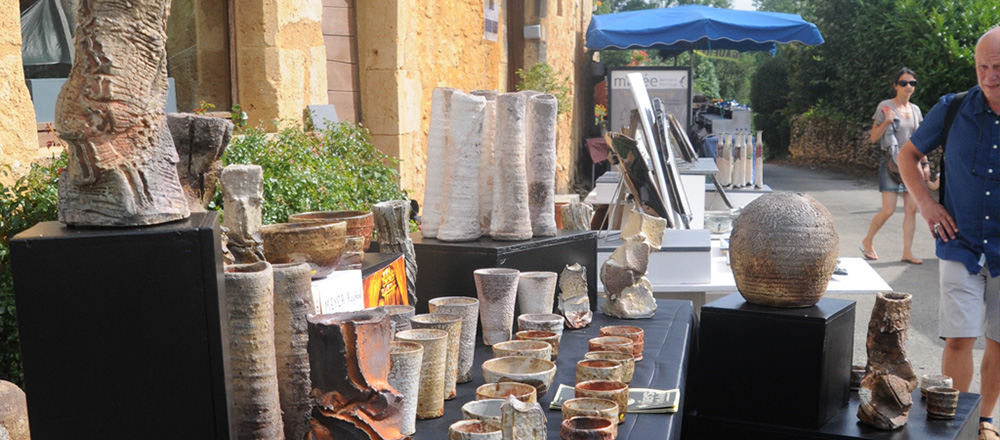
(359, 223)
(319, 244)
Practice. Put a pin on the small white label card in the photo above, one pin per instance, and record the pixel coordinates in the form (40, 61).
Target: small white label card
(341, 291)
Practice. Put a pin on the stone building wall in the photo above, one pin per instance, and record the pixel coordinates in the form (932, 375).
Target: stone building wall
(340, 38)
(18, 135)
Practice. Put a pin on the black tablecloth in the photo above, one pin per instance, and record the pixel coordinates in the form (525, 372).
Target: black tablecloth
(669, 338)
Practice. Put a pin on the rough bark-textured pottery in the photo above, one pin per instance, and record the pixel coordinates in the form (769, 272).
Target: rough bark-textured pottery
(497, 293)
(399, 317)
(941, 402)
(250, 304)
(576, 216)
(453, 325)
(438, 139)
(587, 428)
(538, 373)
(541, 164)
(487, 411)
(541, 335)
(14, 411)
(430, 403)
(473, 430)
(486, 160)
(526, 348)
(200, 142)
(887, 386)
(392, 221)
(626, 360)
(934, 380)
(319, 244)
(460, 217)
(783, 250)
(592, 407)
(536, 292)
(596, 369)
(522, 421)
(500, 390)
(574, 302)
(636, 334)
(468, 309)
(359, 223)
(615, 391)
(293, 302)
(511, 219)
(405, 359)
(611, 343)
(243, 198)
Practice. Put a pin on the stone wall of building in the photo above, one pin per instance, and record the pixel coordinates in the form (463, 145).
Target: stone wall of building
(198, 53)
(18, 135)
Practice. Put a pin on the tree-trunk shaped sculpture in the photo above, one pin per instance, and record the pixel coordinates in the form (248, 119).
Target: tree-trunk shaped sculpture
(889, 379)
(122, 162)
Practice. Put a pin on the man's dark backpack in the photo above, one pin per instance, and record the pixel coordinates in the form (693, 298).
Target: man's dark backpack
(949, 117)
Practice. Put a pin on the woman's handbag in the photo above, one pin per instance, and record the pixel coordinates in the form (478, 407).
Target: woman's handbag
(891, 166)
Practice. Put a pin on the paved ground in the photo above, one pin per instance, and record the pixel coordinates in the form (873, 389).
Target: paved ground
(853, 201)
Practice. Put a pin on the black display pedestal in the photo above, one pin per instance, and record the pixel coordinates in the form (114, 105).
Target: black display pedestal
(445, 269)
(782, 366)
(122, 331)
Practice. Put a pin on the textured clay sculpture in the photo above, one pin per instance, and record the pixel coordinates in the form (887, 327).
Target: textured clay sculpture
(486, 159)
(576, 216)
(541, 164)
(438, 139)
(13, 412)
(574, 302)
(783, 250)
(511, 217)
(630, 294)
(349, 354)
(122, 162)
(200, 142)
(293, 301)
(392, 221)
(460, 215)
(522, 421)
(886, 390)
(243, 199)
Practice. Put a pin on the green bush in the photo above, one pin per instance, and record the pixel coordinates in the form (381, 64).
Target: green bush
(336, 168)
(31, 199)
(543, 78)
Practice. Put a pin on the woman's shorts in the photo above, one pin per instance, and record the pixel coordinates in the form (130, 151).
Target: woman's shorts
(885, 183)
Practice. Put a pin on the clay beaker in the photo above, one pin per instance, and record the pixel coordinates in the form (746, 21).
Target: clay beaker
(587, 428)
(430, 400)
(497, 290)
(453, 325)
(405, 360)
(536, 292)
(468, 309)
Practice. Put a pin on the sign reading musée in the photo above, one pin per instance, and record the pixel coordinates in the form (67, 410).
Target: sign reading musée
(672, 85)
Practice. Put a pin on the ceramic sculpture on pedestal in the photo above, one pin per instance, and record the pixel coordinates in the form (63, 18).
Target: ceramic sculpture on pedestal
(629, 292)
(460, 214)
(511, 217)
(783, 250)
(438, 139)
(574, 301)
(886, 390)
(541, 164)
(392, 222)
(758, 161)
(122, 167)
(243, 199)
(486, 159)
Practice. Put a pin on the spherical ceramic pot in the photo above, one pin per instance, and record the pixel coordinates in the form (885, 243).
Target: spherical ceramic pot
(538, 373)
(359, 223)
(319, 244)
(783, 250)
(500, 390)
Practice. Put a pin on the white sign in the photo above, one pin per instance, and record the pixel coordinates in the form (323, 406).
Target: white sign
(341, 291)
(653, 79)
(671, 85)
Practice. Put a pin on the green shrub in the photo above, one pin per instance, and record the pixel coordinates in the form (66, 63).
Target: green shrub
(336, 168)
(543, 78)
(31, 199)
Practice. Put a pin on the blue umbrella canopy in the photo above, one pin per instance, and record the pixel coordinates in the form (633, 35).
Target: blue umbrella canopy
(700, 27)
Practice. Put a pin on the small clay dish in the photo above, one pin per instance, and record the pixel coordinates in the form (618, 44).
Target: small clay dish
(636, 334)
(528, 348)
(319, 244)
(538, 373)
(625, 359)
(500, 390)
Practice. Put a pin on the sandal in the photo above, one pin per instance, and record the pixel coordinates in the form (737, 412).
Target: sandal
(869, 255)
(913, 260)
(988, 432)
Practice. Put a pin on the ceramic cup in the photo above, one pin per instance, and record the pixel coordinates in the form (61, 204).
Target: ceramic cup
(497, 291)
(636, 334)
(487, 410)
(626, 360)
(399, 316)
(405, 359)
(500, 390)
(468, 309)
(473, 430)
(430, 400)
(596, 369)
(587, 428)
(941, 402)
(615, 391)
(453, 325)
(536, 292)
(550, 322)
(540, 335)
(611, 343)
(591, 407)
(528, 348)
(933, 380)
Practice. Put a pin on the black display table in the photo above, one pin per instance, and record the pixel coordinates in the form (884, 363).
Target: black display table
(669, 341)
(445, 269)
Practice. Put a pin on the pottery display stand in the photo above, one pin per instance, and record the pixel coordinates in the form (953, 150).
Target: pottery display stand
(446, 268)
(112, 317)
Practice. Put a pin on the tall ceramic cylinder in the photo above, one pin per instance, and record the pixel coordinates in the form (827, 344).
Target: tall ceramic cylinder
(758, 161)
(511, 219)
(453, 325)
(405, 359)
(460, 218)
(541, 164)
(438, 138)
(723, 161)
(497, 292)
(250, 305)
(486, 159)
(468, 309)
(292, 303)
(430, 400)
(536, 292)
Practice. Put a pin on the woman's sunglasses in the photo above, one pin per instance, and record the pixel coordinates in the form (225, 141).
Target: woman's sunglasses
(904, 83)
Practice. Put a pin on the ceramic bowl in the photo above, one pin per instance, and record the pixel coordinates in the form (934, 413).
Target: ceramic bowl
(538, 373)
(487, 410)
(540, 335)
(319, 244)
(610, 343)
(359, 223)
(500, 390)
(636, 334)
(625, 359)
(527, 348)
(473, 430)
(598, 369)
(590, 406)
(550, 322)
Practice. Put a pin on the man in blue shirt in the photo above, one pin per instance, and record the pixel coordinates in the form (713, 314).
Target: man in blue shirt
(967, 226)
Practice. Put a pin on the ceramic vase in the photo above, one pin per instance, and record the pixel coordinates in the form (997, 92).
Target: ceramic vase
(468, 309)
(486, 159)
(453, 325)
(511, 219)
(293, 302)
(430, 400)
(783, 250)
(405, 360)
(438, 139)
(497, 292)
(460, 217)
(541, 164)
(536, 292)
